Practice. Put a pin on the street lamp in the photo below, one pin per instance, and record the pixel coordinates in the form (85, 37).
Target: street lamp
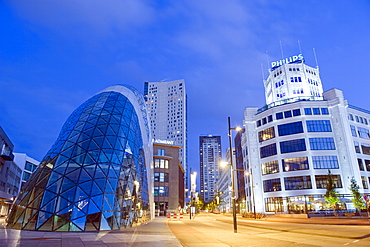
(232, 174)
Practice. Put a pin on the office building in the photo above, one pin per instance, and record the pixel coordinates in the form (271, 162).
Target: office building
(291, 143)
(10, 174)
(97, 176)
(27, 164)
(168, 179)
(167, 112)
(210, 157)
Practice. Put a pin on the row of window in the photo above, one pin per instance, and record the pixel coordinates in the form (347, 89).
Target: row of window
(301, 163)
(161, 163)
(161, 177)
(294, 128)
(293, 113)
(298, 145)
(160, 191)
(358, 119)
(300, 183)
(361, 132)
(364, 147)
(279, 83)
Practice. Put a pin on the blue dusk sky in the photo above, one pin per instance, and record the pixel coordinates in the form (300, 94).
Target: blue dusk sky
(54, 55)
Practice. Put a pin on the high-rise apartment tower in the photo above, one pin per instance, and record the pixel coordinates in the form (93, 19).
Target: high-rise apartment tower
(210, 157)
(167, 107)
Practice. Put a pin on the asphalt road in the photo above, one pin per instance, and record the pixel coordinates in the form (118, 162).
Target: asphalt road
(217, 230)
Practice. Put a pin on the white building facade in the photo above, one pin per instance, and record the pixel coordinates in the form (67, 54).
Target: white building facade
(290, 144)
(167, 113)
(210, 158)
(27, 164)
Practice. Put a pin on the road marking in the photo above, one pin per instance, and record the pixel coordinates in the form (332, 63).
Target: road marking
(356, 241)
(346, 244)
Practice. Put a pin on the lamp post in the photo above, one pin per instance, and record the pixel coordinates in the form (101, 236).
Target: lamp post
(232, 175)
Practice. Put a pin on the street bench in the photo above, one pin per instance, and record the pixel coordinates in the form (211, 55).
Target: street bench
(349, 214)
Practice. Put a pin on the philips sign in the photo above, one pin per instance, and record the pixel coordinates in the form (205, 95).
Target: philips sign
(292, 59)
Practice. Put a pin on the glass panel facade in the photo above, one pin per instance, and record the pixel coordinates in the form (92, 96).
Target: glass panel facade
(270, 167)
(94, 177)
(325, 162)
(322, 143)
(318, 125)
(266, 134)
(290, 128)
(292, 146)
(363, 133)
(268, 150)
(298, 183)
(322, 181)
(272, 185)
(295, 164)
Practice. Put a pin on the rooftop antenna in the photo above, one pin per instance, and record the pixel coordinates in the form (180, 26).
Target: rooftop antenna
(263, 74)
(267, 57)
(281, 49)
(314, 53)
(299, 45)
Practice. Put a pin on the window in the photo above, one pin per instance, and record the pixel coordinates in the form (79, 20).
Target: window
(365, 148)
(268, 150)
(316, 111)
(160, 191)
(363, 133)
(30, 167)
(353, 130)
(161, 152)
(264, 121)
(364, 182)
(26, 176)
(322, 181)
(360, 165)
(322, 143)
(160, 163)
(266, 134)
(357, 147)
(350, 117)
(307, 111)
(357, 120)
(325, 162)
(367, 165)
(296, 112)
(295, 164)
(287, 114)
(272, 185)
(292, 146)
(258, 123)
(270, 167)
(324, 111)
(298, 183)
(160, 177)
(290, 128)
(318, 126)
(279, 115)
(269, 118)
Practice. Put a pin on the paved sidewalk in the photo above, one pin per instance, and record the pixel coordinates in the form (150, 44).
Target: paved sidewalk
(154, 233)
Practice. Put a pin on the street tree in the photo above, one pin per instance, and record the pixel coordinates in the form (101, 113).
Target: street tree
(331, 195)
(358, 201)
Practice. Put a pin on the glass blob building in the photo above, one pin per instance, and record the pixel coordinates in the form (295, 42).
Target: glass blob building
(97, 175)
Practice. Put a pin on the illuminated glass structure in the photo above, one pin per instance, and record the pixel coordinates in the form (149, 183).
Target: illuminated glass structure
(97, 174)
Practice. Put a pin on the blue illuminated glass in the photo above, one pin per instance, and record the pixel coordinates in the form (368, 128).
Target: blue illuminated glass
(279, 115)
(318, 126)
(298, 183)
(272, 185)
(324, 111)
(290, 128)
(292, 146)
(316, 111)
(268, 150)
(296, 112)
(325, 162)
(287, 114)
(307, 111)
(322, 143)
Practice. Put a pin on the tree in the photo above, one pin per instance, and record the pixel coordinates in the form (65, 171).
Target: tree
(331, 195)
(358, 201)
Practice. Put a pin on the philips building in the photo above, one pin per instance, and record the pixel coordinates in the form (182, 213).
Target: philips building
(290, 144)
(97, 175)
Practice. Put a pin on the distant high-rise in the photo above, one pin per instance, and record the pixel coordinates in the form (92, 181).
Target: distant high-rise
(167, 111)
(210, 157)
